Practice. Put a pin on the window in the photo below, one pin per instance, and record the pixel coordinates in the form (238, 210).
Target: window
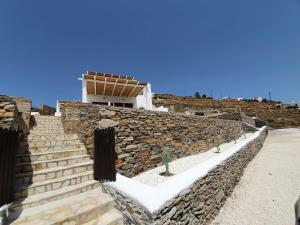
(119, 104)
(100, 103)
(128, 105)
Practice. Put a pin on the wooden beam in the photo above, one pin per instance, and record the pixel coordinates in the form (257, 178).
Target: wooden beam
(112, 94)
(123, 88)
(95, 86)
(104, 86)
(108, 82)
(133, 90)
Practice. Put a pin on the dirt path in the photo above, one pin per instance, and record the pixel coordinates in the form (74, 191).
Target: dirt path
(270, 186)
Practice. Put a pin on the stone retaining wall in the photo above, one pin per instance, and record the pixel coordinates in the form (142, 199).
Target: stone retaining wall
(199, 203)
(237, 116)
(15, 113)
(8, 113)
(47, 110)
(24, 108)
(141, 135)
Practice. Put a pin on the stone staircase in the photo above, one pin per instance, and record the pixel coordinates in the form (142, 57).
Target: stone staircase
(54, 181)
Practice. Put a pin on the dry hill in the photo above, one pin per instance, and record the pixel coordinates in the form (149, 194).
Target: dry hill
(276, 114)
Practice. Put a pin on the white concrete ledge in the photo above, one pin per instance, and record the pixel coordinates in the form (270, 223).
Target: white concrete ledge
(154, 197)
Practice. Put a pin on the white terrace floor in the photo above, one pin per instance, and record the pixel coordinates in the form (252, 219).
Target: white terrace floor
(152, 177)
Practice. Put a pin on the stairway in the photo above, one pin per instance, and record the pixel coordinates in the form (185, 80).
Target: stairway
(54, 181)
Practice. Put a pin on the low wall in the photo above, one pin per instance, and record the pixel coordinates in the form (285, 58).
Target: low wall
(8, 113)
(47, 110)
(15, 113)
(237, 116)
(24, 108)
(141, 135)
(200, 202)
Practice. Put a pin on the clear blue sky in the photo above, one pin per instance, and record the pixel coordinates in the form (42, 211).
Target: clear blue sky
(238, 48)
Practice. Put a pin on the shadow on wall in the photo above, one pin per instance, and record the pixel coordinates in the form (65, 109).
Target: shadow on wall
(22, 180)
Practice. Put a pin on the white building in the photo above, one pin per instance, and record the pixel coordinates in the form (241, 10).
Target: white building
(116, 90)
(260, 99)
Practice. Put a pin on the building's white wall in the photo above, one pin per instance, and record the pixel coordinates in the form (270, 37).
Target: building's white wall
(145, 100)
(84, 91)
(57, 113)
(141, 102)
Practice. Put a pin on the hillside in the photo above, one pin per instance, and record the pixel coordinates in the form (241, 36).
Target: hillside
(277, 115)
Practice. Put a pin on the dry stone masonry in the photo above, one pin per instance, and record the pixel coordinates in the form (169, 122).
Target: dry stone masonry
(15, 113)
(199, 203)
(8, 113)
(141, 135)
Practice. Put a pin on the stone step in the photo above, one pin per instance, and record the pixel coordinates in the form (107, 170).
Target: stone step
(47, 129)
(58, 132)
(47, 143)
(49, 155)
(47, 117)
(46, 125)
(42, 121)
(46, 174)
(112, 217)
(34, 132)
(23, 150)
(46, 164)
(82, 209)
(50, 196)
(39, 121)
(43, 137)
(23, 191)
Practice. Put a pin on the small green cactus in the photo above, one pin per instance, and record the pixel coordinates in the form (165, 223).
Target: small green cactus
(166, 159)
(218, 148)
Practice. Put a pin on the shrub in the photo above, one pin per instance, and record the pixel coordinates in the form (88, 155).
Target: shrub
(197, 95)
(218, 148)
(166, 159)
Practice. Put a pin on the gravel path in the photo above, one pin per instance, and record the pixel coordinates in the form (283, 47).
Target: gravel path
(270, 185)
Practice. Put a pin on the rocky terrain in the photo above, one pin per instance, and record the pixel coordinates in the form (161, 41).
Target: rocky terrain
(276, 114)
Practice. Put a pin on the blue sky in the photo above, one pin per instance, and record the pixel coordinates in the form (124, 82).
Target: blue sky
(237, 48)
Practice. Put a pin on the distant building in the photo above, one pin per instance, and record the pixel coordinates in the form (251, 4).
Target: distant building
(226, 98)
(260, 99)
(116, 90)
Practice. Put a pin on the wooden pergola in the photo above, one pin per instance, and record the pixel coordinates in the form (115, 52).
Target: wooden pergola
(112, 85)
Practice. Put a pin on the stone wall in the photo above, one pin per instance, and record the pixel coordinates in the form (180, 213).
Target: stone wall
(260, 123)
(141, 135)
(236, 116)
(15, 113)
(24, 108)
(248, 119)
(8, 113)
(199, 203)
(47, 110)
(228, 116)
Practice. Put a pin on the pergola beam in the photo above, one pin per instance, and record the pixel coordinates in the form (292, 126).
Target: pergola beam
(123, 88)
(133, 89)
(95, 86)
(104, 86)
(112, 94)
(121, 84)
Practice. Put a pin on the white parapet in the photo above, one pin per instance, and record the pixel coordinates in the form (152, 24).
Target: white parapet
(154, 197)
